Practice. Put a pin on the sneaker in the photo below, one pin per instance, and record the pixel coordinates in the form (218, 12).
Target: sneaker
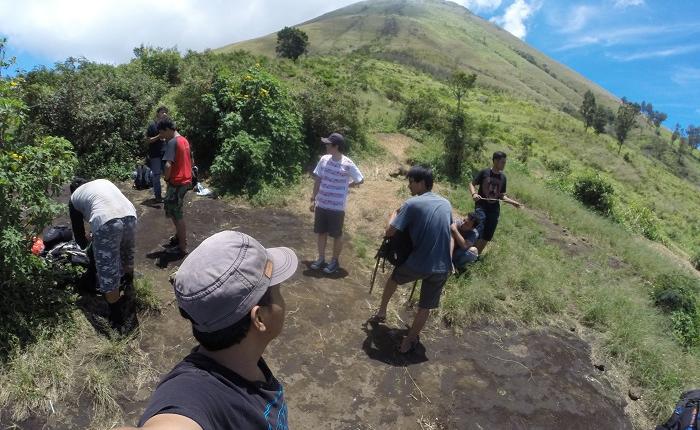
(332, 267)
(318, 264)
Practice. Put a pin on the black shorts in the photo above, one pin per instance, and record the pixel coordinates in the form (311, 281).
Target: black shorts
(430, 287)
(488, 222)
(329, 221)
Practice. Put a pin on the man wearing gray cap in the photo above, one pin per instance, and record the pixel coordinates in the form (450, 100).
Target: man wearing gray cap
(229, 288)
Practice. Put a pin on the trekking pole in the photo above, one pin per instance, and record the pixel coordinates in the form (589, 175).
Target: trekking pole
(374, 275)
(412, 291)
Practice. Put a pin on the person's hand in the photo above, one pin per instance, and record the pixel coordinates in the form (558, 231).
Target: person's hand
(518, 205)
(88, 236)
(476, 197)
(312, 207)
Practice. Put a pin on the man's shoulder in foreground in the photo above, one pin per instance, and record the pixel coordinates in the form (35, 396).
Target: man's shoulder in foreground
(213, 396)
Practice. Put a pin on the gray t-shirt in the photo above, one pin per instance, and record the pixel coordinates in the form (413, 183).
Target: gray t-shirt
(427, 218)
(100, 201)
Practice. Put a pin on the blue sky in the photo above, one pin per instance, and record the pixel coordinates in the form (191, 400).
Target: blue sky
(642, 49)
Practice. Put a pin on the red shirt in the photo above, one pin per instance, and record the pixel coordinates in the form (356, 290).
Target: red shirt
(178, 153)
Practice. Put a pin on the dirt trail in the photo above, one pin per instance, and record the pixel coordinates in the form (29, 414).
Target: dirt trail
(340, 374)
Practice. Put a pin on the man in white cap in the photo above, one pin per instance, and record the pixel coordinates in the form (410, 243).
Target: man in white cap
(229, 288)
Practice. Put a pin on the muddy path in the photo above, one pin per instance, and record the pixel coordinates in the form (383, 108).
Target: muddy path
(340, 373)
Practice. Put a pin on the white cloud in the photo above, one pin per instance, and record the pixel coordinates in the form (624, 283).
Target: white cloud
(686, 75)
(639, 35)
(515, 16)
(626, 3)
(108, 30)
(659, 53)
(481, 5)
(578, 18)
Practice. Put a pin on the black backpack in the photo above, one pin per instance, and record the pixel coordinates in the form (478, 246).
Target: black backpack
(55, 235)
(686, 414)
(396, 249)
(143, 180)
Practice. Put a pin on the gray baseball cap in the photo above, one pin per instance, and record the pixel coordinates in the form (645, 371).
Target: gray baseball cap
(226, 275)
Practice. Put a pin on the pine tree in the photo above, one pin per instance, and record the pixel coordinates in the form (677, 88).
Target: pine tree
(588, 109)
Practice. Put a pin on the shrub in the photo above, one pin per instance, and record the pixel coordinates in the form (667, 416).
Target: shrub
(101, 109)
(695, 259)
(260, 128)
(159, 63)
(425, 112)
(594, 191)
(637, 217)
(329, 109)
(677, 294)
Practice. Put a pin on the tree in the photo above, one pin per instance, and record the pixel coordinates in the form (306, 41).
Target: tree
(693, 134)
(676, 134)
(626, 115)
(455, 142)
(588, 109)
(600, 119)
(460, 83)
(657, 118)
(291, 43)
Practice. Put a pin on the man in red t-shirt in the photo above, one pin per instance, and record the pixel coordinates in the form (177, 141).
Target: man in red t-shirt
(178, 175)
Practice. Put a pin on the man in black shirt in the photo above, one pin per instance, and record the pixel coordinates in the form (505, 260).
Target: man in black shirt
(229, 288)
(156, 148)
(492, 190)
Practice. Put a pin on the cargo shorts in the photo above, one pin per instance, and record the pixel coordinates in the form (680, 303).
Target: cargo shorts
(174, 200)
(113, 245)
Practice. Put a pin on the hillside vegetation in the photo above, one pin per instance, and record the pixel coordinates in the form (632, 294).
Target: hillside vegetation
(619, 275)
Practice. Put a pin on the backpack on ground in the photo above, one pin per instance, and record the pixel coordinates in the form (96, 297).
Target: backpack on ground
(55, 235)
(144, 177)
(686, 415)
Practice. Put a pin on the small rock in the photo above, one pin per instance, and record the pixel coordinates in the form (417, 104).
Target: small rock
(634, 394)
(600, 367)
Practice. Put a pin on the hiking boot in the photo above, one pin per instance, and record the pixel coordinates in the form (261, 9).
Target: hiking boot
(116, 314)
(173, 241)
(175, 251)
(318, 264)
(332, 267)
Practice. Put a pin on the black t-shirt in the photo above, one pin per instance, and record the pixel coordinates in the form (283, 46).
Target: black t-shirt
(155, 149)
(491, 186)
(217, 398)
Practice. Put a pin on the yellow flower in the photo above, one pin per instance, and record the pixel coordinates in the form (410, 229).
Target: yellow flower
(264, 92)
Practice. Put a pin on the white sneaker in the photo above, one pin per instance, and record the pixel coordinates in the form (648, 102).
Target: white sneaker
(318, 264)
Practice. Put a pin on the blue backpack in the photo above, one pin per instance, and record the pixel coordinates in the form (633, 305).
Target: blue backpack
(686, 414)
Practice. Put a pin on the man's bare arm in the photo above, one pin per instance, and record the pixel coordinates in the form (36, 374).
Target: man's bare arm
(510, 201)
(390, 229)
(457, 237)
(166, 172)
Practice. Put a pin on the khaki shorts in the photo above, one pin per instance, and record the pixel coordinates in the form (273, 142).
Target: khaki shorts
(174, 200)
(430, 287)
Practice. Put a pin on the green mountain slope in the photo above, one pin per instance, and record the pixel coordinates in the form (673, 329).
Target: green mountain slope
(437, 37)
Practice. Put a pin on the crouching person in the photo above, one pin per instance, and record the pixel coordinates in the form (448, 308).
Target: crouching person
(427, 218)
(112, 220)
(464, 237)
(229, 289)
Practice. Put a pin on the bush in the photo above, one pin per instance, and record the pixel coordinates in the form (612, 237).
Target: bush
(455, 143)
(102, 110)
(637, 217)
(594, 191)
(695, 259)
(159, 63)
(260, 128)
(677, 294)
(326, 110)
(425, 112)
